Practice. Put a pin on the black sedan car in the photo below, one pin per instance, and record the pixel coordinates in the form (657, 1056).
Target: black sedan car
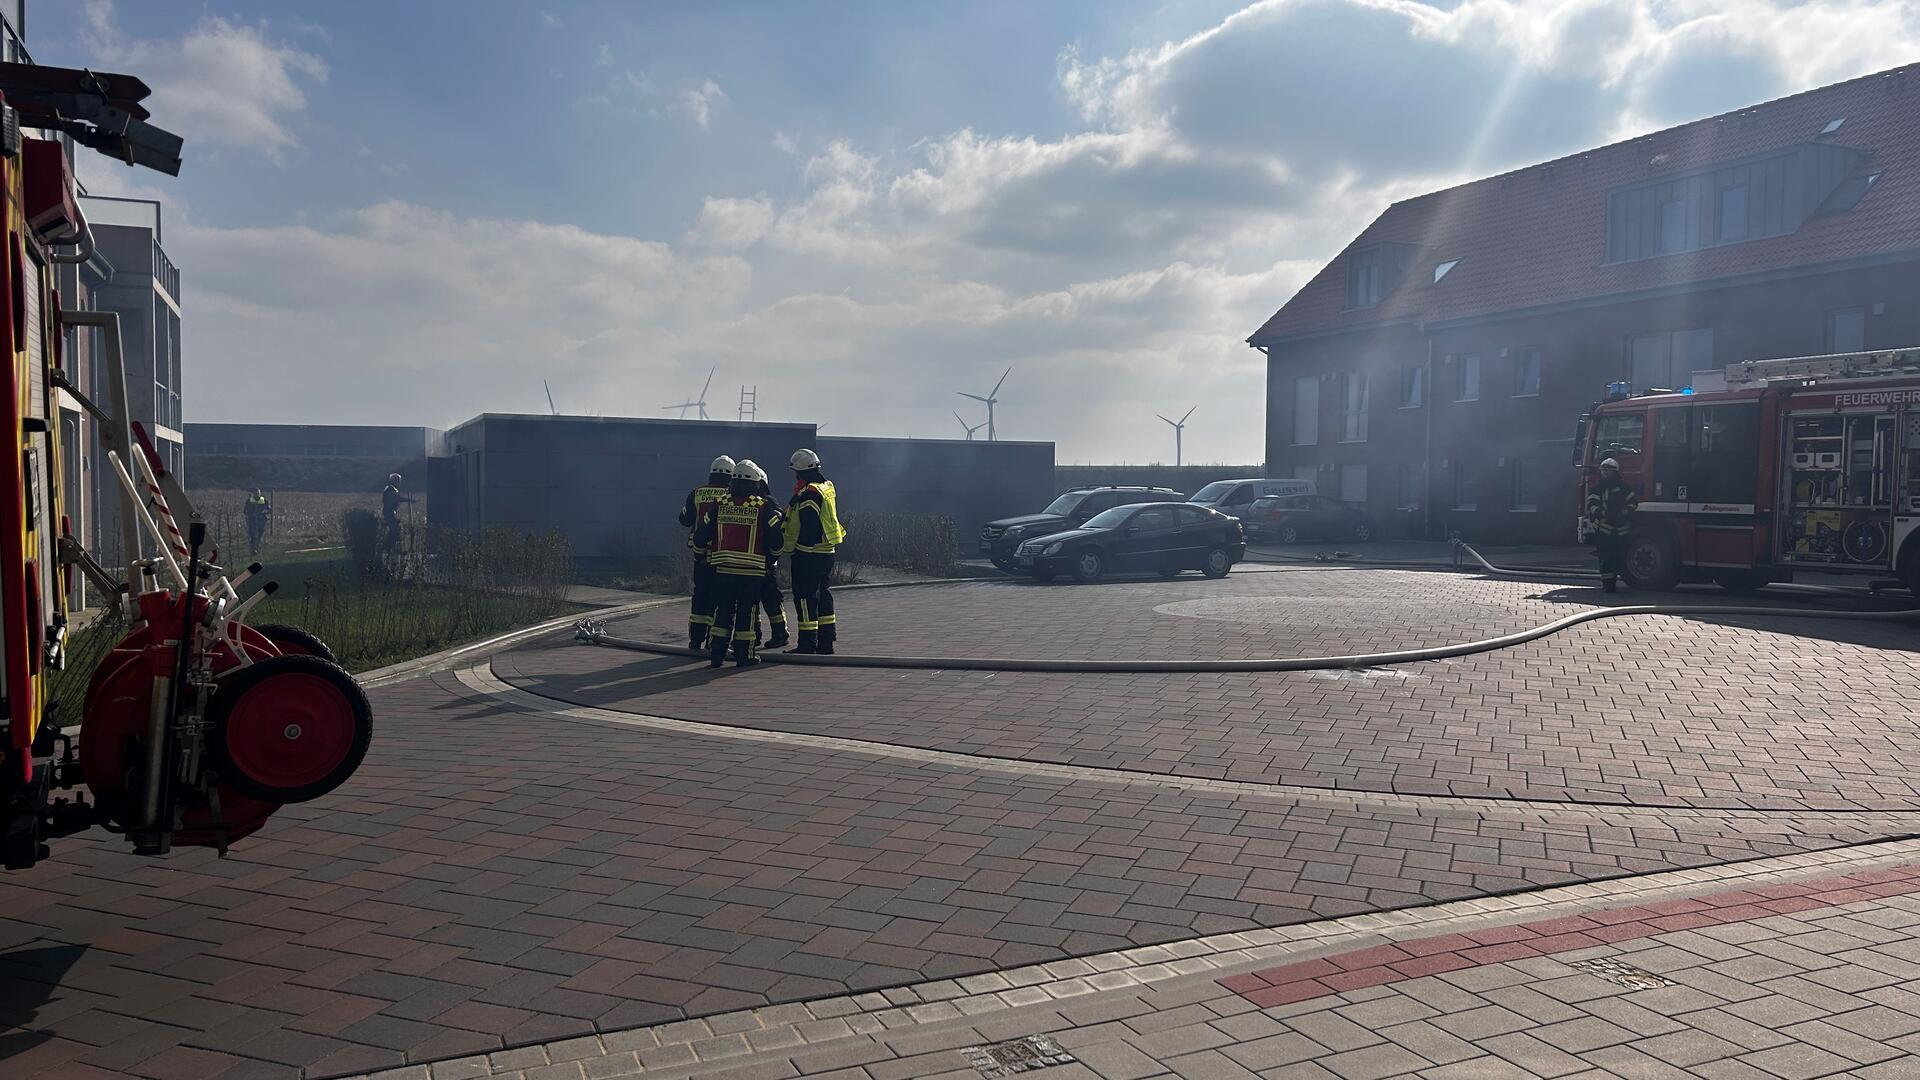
(1145, 538)
(1289, 519)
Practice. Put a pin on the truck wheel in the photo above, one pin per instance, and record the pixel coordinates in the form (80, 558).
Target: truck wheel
(1910, 567)
(1653, 561)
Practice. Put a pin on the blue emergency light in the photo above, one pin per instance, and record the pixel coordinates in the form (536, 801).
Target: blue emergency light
(1619, 391)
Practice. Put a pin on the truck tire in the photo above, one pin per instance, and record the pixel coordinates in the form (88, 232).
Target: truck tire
(1653, 560)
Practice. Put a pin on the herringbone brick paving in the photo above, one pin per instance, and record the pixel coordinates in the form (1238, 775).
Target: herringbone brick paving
(1786, 714)
(495, 877)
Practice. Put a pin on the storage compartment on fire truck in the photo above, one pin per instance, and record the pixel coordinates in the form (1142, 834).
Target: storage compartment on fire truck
(1839, 471)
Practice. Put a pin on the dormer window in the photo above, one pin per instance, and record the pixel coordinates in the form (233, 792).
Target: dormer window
(1363, 278)
(1440, 271)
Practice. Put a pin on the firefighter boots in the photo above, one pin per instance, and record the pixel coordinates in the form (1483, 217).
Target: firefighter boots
(779, 637)
(717, 652)
(809, 642)
(743, 654)
(697, 638)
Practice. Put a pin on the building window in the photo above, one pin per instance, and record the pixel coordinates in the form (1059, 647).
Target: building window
(1463, 487)
(1733, 214)
(1466, 378)
(1408, 497)
(1847, 330)
(1525, 497)
(1673, 226)
(1413, 386)
(1363, 278)
(1667, 361)
(1526, 373)
(1353, 426)
(1306, 410)
(1353, 484)
(1442, 269)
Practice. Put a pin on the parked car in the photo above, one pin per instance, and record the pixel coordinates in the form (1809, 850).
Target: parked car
(1289, 519)
(1159, 537)
(1234, 497)
(998, 539)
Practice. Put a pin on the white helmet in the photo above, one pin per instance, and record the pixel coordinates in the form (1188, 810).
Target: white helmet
(804, 459)
(722, 464)
(1610, 463)
(747, 470)
(393, 478)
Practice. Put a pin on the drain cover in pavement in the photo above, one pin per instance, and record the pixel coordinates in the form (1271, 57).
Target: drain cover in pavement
(1623, 974)
(1016, 1055)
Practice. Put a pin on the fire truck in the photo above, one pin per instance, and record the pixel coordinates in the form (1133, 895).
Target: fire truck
(1806, 463)
(196, 726)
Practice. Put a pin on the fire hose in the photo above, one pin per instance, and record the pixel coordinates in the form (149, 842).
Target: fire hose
(595, 633)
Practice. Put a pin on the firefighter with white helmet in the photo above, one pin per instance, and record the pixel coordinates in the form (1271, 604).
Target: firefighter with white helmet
(740, 533)
(813, 531)
(1610, 506)
(700, 618)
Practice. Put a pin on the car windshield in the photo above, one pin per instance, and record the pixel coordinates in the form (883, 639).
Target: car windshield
(1064, 505)
(1213, 492)
(1107, 519)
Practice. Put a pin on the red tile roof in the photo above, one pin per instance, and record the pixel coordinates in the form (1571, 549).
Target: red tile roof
(1537, 236)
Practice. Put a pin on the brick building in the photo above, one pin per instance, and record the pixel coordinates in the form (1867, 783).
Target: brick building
(1435, 370)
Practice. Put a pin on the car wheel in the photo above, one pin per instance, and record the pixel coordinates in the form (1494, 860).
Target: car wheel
(1218, 563)
(1088, 565)
(1653, 562)
(1362, 532)
(1289, 534)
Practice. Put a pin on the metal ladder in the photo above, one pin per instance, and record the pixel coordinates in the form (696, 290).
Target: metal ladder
(1829, 366)
(749, 404)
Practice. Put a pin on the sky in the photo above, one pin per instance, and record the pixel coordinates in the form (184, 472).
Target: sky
(415, 212)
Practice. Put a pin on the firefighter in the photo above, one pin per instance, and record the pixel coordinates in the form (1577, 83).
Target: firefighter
(738, 532)
(771, 601)
(259, 510)
(390, 500)
(813, 530)
(700, 618)
(1610, 507)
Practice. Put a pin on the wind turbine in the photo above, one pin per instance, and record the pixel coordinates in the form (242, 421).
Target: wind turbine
(698, 403)
(993, 396)
(551, 407)
(1178, 429)
(971, 428)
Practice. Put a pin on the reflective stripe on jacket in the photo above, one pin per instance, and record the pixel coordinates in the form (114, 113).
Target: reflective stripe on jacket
(1610, 509)
(813, 520)
(697, 501)
(737, 535)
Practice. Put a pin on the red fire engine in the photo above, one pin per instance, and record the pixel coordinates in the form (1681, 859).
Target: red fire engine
(196, 726)
(1771, 467)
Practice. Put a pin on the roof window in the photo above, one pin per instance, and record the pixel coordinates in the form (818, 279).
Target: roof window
(1440, 271)
(1832, 127)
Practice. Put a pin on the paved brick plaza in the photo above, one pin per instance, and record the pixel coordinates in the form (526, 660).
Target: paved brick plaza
(530, 854)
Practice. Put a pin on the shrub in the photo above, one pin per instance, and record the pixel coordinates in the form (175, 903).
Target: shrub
(920, 543)
(361, 531)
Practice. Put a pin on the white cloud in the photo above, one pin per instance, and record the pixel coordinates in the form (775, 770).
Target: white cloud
(222, 83)
(732, 223)
(1117, 268)
(697, 104)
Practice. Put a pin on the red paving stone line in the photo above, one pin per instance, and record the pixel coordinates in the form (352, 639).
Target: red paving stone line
(1419, 957)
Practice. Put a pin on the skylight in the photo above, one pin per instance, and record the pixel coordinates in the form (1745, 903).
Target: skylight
(1832, 126)
(1440, 271)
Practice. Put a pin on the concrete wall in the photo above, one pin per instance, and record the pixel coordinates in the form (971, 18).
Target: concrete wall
(612, 486)
(971, 482)
(1478, 445)
(615, 486)
(1186, 479)
(307, 457)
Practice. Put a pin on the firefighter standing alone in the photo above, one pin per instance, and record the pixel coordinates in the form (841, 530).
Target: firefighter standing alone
(259, 513)
(813, 530)
(740, 536)
(1610, 507)
(700, 618)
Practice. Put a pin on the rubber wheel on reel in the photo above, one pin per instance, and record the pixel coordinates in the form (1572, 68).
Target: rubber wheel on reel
(293, 641)
(289, 729)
